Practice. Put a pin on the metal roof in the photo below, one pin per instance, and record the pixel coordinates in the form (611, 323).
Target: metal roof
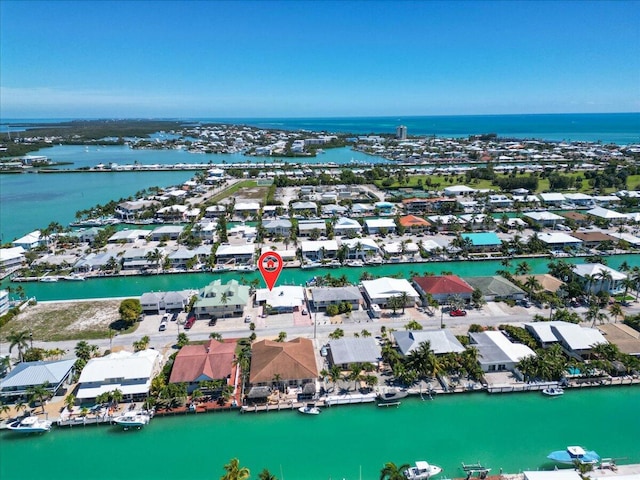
(27, 374)
(354, 350)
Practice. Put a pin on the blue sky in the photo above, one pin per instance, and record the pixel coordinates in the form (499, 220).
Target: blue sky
(320, 58)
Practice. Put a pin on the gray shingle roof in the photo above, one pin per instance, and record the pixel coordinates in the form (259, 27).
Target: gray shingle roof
(27, 374)
(354, 350)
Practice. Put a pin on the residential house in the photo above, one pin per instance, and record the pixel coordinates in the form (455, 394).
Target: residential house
(333, 210)
(345, 352)
(496, 352)
(215, 211)
(443, 287)
(347, 227)
(181, 257)
(11, 257)
(544, 219)
(596, 277)
(246, 209)
(200, 363)
(440, 341)
(140, 259)
(95, 261)
(623, 336)
(499, 201)
(384, 208)
(380, 290)
(414, 224)
(446, 222)
(577, 341)
(379, 225)
(281, 299)
(218, 300)
(455, 190)
(483, 242)
(172, 213)
(304, 209)
(166, 232)
(361, 248)
(321, 297)
(291, 363)
(316, 250)
(26, 375)
(131, 373)
(610, 216)
(307, 228)
(552, 199)
(131, 210)
(128, 236)
(496, 288)
(281, 226)
(594, 239)
(580, 199)
(29, 241)
(559, 241)
(362, 209)
(235, 254)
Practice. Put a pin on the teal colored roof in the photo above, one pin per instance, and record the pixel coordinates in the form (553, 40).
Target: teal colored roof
(482, 239)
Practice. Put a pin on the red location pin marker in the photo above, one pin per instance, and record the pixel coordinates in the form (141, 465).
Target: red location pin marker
(270, 265)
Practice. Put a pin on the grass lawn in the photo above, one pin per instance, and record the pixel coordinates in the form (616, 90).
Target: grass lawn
(234, 188)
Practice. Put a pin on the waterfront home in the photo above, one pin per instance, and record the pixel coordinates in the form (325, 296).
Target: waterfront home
(580, 199)
(332, 210)
(235, 254)
(455, 190)
(128, 236)
(384, 208)
(575, 340)
(594, 239)
(347, 227)
(610, 216)
(316, 250)
(606, 200)
(130, 210)
(246, 209)
(166, 232)
(499, 201)
(416, 205)
(172, 213)
(380, 225)
(627, 237)
(477, 221)
(496, 352)
(360, 248)
(182, 256)
(362, 209)
(321, 297)
(623, 336)
(280, 226)
(595, 277)
(218, 300)
(442, 287)
(51, 374)
(496, 288)
(95, 261)
(215, 211)
(291, 363)
(281, 299)
(205, 230)
(397, 250)
(544, 219)
(446, 222)
(304, 209)
(413, 224)
(29, 241)
(208, 362)
(140, 259)
(345, 352)
(11, 257)
(483, 241)
(440, 341)
(380, 290)
(131, 373)
(548, 283)
(559, 241)
(552, 199)
(308, 228)
(154, 302)
(580, 219)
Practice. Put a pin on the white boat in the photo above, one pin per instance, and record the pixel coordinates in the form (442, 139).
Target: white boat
(311, 265)
(309, 409)
(74, 277)
(422, 471)
(132, 418)
(30, 424)
(391, 397)
(355, 263)
(48, 279)
(246, 268)
(553, 391)
(574, 454)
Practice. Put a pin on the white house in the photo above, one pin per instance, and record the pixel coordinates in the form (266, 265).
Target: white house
(319, 249)
(347, 226)
(29, 241)
(235, 254)
(497, 352)
(380, 290)
(597, 277)
(11, 257)
(376, 225)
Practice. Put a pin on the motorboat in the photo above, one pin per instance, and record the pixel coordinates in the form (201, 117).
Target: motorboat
(132, 418)
(311, 265)
(355, 263)
(74, 277)
(391, 397)
(48, 279)
(574, 454)
(553, 391)
(31, 424)
(422, 471)
(309, 409)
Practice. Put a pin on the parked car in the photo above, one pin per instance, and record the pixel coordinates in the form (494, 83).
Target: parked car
(248, 319)
(162, 327)
(174, 317)
(304, 311)
(189, 323)
(458, 313)
(213, 321)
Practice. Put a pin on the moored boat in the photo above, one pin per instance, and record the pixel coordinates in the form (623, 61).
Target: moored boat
(391, 397)
(30, 424)
(422, 471)
(553, 391)
(574, 454)
(132, 418)
(48, 279)
(74, 277)
(309, 409)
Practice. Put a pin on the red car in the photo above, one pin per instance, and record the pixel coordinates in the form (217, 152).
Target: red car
(458, 313)
(189, 323)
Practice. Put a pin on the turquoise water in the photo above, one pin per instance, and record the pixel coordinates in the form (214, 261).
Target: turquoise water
(134, 286)
(510, 431)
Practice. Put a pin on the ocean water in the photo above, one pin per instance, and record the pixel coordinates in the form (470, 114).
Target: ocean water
(513, 432)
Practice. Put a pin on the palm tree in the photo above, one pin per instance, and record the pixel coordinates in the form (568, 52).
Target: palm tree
(532, 285)
(266, 475)
(39, 393)
(70, 401)
(224, 300)
(20, 340)
(391, 471)
(155, 257)
(403, 299)
(235, 472)
(5, 409)
(616, 311)
(605, 277)
(594, 314)
(215, 336)
(523, 268)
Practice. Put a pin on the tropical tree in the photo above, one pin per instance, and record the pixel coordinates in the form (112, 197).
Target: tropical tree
(5, 409)
(391, 471)
(70, 401)
(235, 472)
(523, 268)
(616, 311)
(182, 340)
(266, 475)
(155, 257)
(282, 336)
(216, 336)
(20, 340)
(39, 393)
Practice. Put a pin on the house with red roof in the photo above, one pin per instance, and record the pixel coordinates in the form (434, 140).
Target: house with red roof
(441, 287)
(414, 224)
(208, 362)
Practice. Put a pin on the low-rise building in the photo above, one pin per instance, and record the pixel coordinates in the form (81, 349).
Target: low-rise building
(495, 288)
(496, 352)
(282, 299)
(440, 341)
(380, 290)
(443, 287)
(291, 363)
(51, 374)
(200, 363)
(218, 300)
(321, 297)
(345, 352)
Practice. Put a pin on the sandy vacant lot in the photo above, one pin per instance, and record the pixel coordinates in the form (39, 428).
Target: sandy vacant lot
(56, 321)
